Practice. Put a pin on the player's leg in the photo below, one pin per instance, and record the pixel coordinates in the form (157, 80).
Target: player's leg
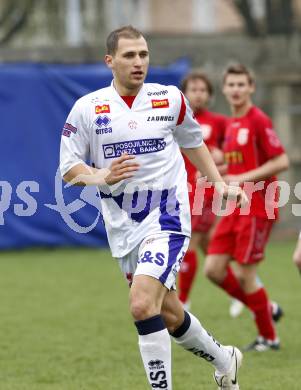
(252, 234)
(217, 269)
(188, 270)
(297, 254)
(220, 252)
(258, 302)
(236, 306)
(154, 264)
(188, 332)
(146, 297)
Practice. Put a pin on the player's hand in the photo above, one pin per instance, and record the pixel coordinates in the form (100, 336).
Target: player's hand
(233, 179)
(124, 167)
(96, 177)
(233, 193)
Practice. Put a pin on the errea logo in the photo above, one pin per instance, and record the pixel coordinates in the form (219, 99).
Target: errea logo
(102, 122)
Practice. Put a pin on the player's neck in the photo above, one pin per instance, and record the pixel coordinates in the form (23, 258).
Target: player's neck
(240, 111)
(124, 91)
(199, 110)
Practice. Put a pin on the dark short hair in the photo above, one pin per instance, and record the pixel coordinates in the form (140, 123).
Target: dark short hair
(239, 69)
(127, 32)
(196, 75)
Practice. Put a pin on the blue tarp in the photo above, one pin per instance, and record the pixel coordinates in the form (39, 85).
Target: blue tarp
(35, 210)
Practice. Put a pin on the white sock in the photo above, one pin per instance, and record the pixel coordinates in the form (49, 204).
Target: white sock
(155, 349)
(194, 338)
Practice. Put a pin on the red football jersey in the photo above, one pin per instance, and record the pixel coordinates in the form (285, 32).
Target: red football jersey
(213, 129)
(249, 142)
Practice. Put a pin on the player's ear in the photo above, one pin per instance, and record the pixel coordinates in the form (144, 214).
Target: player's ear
(252, 87)
(108, 60)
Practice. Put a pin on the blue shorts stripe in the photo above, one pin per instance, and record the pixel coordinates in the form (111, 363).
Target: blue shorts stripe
(175, 245)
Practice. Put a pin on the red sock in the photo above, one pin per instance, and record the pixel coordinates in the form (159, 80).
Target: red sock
(231, 285)
(187, 274)
(260, 305)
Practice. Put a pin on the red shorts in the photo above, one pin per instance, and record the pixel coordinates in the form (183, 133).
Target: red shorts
(203, 223)
(244, 237)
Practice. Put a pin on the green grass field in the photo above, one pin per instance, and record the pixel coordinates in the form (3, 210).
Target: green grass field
(64, 325)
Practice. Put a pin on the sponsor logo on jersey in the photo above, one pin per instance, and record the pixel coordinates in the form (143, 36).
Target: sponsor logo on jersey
(273, 139)
(132, 125)
(157, 93)
(160, 103)
(102, 122)
(234, 157)
(160, 118)
(68, 129)
(243, 136)
(140, 146)
(102, 109)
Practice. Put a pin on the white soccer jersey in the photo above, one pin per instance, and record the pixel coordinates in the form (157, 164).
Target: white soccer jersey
(101, 126)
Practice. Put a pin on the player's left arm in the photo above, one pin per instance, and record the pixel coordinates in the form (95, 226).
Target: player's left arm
(270, 168)
(188, 135)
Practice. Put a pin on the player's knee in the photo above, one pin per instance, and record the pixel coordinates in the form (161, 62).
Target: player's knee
(297, 259)
(171, 320)
(211, 272)
(142, 308)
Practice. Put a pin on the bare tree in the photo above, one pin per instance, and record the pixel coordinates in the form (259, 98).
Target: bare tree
(278, 17)
(14, 17)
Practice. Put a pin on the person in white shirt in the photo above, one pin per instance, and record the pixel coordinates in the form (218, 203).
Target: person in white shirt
(131, 133)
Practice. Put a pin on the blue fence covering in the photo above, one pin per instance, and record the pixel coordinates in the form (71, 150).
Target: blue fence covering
(35, 209)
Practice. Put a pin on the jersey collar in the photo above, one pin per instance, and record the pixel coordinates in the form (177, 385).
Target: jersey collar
(119, 99)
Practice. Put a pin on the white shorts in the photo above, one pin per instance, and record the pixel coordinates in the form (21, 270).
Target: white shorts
(159, 256)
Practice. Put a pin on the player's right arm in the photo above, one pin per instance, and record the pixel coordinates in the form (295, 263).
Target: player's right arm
(122, 168)
(75, 151)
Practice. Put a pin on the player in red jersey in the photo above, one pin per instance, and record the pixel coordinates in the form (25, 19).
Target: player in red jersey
(198, 90)
(254, 155)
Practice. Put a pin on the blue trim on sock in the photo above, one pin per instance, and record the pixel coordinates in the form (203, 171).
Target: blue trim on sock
(182, 329)
(150, 325)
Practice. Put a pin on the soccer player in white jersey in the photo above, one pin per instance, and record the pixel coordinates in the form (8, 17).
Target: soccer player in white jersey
(131, 133)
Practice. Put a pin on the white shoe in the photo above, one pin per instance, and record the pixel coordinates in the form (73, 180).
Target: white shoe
(236, 308)
(229, 381)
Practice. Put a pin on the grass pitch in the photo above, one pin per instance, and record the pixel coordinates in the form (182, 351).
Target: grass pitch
(64, 325)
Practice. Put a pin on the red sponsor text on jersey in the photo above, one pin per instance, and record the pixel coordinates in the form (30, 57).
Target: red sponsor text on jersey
(104, 108)
(160, 103)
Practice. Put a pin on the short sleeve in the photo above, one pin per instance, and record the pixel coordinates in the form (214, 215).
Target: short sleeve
(268, 142)
(75, 140)
(188, 133)
(221, 130)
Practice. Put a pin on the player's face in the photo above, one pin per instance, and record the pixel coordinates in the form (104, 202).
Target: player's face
(198, 95)
(129, 64)
(238, 90)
